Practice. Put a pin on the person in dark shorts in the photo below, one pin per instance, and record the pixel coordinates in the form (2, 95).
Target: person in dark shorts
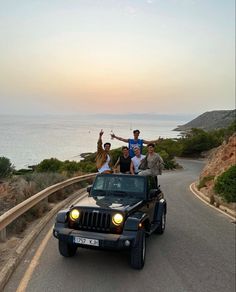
(124, 161)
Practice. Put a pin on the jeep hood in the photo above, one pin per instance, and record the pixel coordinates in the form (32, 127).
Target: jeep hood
(111, 202)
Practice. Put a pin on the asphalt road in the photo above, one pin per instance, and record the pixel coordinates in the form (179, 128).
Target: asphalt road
(196, 252)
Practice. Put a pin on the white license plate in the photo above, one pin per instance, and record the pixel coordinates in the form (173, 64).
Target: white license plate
(87, 241)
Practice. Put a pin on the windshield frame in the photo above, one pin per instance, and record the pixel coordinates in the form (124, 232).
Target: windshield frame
(120, 185)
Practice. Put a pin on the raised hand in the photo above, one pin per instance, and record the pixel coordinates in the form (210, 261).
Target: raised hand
(112, 135)
(101, 133)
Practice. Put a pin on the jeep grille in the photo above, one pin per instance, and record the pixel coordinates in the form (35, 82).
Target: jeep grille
(94, 220)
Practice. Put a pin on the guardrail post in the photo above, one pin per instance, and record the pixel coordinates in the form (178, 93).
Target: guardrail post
(3, 235)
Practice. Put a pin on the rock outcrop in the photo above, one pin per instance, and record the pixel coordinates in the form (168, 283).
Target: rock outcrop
(221, 159)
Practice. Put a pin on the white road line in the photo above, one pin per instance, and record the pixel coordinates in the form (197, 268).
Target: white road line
(33, 264)
(35, 260)
(212, 206)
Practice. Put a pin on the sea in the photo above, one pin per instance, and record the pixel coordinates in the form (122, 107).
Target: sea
(27, 140)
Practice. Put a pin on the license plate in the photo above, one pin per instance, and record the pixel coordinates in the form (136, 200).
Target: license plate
(86, 241)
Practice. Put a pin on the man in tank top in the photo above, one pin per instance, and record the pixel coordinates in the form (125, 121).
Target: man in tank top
(124, 161)
(134, 142)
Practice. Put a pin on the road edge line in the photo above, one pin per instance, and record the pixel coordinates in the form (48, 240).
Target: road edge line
(206, 200)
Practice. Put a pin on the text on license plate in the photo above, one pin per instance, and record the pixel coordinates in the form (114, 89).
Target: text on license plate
(87, 241)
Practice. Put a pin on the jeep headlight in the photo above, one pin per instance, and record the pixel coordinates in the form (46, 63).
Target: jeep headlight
(117, 219)
(74, 214)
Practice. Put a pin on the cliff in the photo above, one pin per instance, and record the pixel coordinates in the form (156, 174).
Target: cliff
(210, 121)
(220, 159)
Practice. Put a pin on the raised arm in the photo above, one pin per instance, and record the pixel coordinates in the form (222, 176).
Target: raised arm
(153, 141)
(119, 138)
(99, 143)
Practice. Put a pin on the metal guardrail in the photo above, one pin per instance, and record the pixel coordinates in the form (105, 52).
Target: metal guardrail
(12, 214)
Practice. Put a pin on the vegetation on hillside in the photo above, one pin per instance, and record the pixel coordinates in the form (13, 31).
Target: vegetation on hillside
(194, 142)
(6, 167)
(225, 185)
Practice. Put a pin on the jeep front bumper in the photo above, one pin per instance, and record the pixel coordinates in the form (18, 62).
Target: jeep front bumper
(106, 240)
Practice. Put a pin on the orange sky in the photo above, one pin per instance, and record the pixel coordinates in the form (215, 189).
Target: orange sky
(106, 56)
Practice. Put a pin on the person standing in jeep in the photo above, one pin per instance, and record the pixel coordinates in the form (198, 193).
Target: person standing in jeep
(135, 142)
(155, 163)
(103, 159)
(123, 161)
(136, 160)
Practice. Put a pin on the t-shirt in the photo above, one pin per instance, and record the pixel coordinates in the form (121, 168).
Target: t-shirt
(105, 166)
(134, 143)
(136, 162)
(125, 164)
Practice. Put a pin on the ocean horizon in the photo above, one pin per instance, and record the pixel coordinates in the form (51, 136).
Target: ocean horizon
(26, 140)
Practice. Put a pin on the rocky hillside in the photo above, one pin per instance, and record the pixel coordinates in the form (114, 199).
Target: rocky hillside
(220, 159)
(210, 120)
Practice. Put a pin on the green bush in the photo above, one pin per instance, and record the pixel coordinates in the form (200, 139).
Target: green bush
(70, 166)
(225, 185)
(197, 140)
(204, 180)
(49, 165)
(171, 146)
(6, 167)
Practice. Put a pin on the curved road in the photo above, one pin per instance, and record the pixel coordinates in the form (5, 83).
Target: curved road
(196, 252)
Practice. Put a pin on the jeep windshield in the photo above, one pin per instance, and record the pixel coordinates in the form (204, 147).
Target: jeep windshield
(119, 185)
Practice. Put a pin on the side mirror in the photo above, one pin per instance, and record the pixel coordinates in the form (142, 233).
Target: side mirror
(89, 189)
(153, 193)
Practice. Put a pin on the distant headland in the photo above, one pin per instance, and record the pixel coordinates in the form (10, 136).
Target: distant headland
(212, 120)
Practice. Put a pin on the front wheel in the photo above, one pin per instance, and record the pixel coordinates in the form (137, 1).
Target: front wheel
(66, 249)
(138, 251)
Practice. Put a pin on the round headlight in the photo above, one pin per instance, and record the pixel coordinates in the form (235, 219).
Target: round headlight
(74, 214)
(117, 219)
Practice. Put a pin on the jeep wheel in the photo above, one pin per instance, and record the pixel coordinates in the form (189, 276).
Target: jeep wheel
(138, 251)
(161, 227)
(65, 249)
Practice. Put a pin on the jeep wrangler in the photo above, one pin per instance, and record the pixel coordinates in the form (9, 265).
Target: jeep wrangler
(118, 213)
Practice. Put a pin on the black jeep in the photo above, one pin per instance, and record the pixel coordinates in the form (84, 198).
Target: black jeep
(119, 212)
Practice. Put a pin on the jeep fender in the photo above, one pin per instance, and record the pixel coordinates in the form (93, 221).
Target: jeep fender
(132, 222)
(161, 206)
(62, 216)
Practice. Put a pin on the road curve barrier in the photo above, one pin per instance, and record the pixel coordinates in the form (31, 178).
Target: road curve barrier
(12, 214)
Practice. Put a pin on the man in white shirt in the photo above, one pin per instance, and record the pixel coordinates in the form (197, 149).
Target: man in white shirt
(136, 160)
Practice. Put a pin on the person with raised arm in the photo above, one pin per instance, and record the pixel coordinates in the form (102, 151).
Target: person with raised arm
(103, 158)
(134, 142)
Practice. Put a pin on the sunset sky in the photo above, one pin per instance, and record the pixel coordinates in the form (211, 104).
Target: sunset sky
(114, 56)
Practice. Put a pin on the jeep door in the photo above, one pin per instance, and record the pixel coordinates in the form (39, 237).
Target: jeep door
(150, 203)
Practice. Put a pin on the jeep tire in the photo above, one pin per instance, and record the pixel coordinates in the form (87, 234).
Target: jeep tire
(161, 227)
(138, 252)
(66, 249)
